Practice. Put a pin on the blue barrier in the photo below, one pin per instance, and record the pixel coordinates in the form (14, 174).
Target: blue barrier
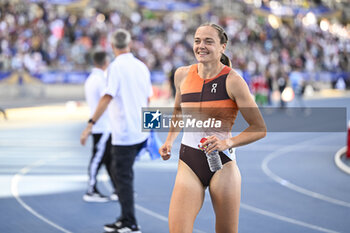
(4, 75)
(76, 77)
(159, 77)
(168, 5)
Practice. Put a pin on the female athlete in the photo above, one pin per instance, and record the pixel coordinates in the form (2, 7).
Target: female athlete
(210, 84)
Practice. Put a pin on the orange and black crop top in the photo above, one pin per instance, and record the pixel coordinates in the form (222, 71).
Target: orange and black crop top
(209, 96)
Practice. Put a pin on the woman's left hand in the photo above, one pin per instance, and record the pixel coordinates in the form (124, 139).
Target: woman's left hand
(214, 143)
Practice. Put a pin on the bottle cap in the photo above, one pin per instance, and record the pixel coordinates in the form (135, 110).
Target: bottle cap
(200, 145)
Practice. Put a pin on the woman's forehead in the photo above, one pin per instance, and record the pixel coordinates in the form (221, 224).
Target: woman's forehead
(206, 32)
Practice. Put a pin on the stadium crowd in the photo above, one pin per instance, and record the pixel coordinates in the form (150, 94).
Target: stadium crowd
(48, 37)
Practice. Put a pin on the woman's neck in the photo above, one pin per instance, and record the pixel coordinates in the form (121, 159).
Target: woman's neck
(209, 70)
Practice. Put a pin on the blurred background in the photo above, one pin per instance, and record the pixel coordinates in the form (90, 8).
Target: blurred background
(46, 46)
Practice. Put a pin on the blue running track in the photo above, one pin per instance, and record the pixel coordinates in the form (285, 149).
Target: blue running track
(290, 183)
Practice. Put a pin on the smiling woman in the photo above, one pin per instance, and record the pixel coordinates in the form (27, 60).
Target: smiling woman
(211, 84)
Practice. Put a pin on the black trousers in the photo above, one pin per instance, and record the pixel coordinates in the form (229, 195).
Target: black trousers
(122, 161)
(101, 154)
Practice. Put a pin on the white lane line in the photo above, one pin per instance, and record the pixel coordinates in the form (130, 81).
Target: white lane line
(285, 219)
(152, 213)
(339, 163)
(292, 186)
(14, 190)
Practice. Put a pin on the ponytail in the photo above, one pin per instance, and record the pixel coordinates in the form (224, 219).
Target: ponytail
(225, 60)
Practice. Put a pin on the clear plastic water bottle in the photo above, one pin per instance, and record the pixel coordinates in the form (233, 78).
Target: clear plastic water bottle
(213, 158)
(214, 161)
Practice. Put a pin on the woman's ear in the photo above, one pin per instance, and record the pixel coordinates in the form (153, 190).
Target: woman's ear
(223, 47)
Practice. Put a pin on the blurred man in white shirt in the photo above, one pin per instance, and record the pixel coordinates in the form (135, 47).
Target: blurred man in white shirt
(128, 90)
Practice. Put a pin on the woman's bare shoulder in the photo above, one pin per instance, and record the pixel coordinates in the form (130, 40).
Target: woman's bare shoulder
(181, 73)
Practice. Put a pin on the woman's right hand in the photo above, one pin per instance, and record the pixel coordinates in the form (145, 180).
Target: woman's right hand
(165, 151)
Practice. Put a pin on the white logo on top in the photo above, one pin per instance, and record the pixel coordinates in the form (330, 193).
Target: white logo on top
(213, 88)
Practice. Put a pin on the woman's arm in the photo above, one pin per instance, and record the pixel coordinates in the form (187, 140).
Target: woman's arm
(165, 149)
(238, 90)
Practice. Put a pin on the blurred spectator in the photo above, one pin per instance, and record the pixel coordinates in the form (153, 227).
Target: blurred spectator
(298, 85)
(282, 84)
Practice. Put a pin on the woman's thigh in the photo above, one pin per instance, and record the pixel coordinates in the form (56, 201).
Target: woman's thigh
(225, 192)
(186, 200)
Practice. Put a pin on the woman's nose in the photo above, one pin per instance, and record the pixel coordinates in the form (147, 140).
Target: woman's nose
(201, 44)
